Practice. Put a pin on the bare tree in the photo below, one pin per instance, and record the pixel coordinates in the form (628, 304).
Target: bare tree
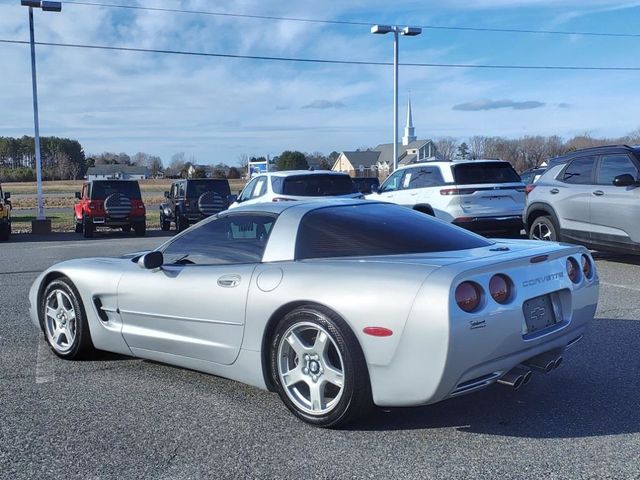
(154, 164)
(63, 163)
(140, 159)
(178, 161)
(477, 145)
(446, 147)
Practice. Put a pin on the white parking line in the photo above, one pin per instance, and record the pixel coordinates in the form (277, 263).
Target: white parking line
(44, 370)
(615, 285)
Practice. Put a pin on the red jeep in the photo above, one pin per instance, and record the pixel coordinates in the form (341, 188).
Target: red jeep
(110, 203)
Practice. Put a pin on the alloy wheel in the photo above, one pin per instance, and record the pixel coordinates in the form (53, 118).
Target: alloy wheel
(310, 368)
(541, 231)
(60, 320)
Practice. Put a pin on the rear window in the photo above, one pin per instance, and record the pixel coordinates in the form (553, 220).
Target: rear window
(313, 185)
(101, 190)
(377, 229)
(484, 172)
(195, 188)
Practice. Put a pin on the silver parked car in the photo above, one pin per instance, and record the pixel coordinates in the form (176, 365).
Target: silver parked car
(590, 197)
(336, 305)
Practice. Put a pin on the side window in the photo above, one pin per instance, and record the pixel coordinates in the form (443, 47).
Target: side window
(424, 177)
(230, 239)
(248, 189)
(393, 182)
(260, 188)
(172, 192)
(181, 189)
(579, 171)
(613, 165)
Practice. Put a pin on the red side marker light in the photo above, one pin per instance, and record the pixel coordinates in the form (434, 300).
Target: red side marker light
(377, 331)
(539, 258)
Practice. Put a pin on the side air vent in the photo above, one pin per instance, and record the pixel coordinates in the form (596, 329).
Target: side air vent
(101, 313)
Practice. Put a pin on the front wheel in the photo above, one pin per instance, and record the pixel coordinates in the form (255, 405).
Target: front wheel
(126, 228)
(87, 228)
(319, 368)
(165, 224)
(78, 225)
(64, 321)
(544, 228)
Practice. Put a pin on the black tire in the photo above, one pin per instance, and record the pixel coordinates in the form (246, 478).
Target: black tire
(355, 399)
(82, 346)
(5, 232)
(165, 224)
(126, 228)
(87, 228)
(140, 229)
(181, 223)
(79, 227)
(544, 228)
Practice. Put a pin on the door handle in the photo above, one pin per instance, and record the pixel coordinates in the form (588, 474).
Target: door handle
(554, 191)
(598, 193)
(229, 281)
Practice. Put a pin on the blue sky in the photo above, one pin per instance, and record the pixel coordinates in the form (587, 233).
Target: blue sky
(215, 109)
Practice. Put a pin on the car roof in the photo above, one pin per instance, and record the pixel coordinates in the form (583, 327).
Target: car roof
(300, 205)
(289, 173)
(595, 150)
(453, 162)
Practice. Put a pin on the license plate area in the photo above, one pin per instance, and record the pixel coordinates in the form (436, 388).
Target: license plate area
(540, 313)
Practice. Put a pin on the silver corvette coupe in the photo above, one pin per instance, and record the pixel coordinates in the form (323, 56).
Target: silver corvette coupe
(337, 305)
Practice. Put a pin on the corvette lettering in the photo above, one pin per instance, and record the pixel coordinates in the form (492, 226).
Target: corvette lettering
(541, 280)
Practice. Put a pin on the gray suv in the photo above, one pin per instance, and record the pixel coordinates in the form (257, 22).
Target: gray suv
(590, 197)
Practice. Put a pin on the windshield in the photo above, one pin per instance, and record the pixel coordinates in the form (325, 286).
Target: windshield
(316, 185)
(377, 229)
(101, 190)
(195, 188)
(484, 172)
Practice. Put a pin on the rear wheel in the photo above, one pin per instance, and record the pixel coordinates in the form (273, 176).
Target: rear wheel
(87, 228)
(140, 229)
(544, 228)
(64, 320)
(181, 223)
(5, 232)
(319, 369)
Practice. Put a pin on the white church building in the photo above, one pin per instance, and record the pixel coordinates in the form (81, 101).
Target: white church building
(379, 161)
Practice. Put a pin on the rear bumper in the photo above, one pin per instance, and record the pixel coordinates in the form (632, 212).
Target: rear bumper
(107, 221)
(490, 224)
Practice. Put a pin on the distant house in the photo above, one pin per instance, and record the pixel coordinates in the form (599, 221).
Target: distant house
(379, 161)
(117, 172)
(208, 170)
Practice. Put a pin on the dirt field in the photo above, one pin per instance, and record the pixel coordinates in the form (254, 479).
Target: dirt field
(24, 193)
(71, 186)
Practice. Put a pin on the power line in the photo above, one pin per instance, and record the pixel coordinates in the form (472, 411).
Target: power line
(353, 23)
(325, 60)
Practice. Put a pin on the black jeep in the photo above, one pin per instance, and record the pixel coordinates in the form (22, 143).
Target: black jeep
(189, 201)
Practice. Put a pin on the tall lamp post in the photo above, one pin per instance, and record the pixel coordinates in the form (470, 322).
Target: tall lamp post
(407, 32)
(41, 224)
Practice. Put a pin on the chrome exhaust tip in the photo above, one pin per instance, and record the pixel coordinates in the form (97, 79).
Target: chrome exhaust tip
(544, 362)
(558, 362)
(516, 377)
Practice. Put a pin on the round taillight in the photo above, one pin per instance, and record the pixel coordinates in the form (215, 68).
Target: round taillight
(573, 270)
(468, 296)
(500, 288)
(587, 269)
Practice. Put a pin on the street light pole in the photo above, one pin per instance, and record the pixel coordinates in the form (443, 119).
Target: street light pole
(40, 225)
(40, 214)
(408, 32)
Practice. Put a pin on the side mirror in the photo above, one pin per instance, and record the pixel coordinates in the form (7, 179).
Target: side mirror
(166, 194)
(624, 180)
(78, 195)
(151, 260)
(231, 198)
(7, 195)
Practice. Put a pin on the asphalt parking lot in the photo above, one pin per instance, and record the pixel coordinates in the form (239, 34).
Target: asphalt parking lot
(117, 417)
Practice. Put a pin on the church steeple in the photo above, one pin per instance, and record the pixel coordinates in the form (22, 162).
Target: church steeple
(409, 132)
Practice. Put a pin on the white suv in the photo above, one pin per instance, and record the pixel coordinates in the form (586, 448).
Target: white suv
(481, 195)
(296, 185)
